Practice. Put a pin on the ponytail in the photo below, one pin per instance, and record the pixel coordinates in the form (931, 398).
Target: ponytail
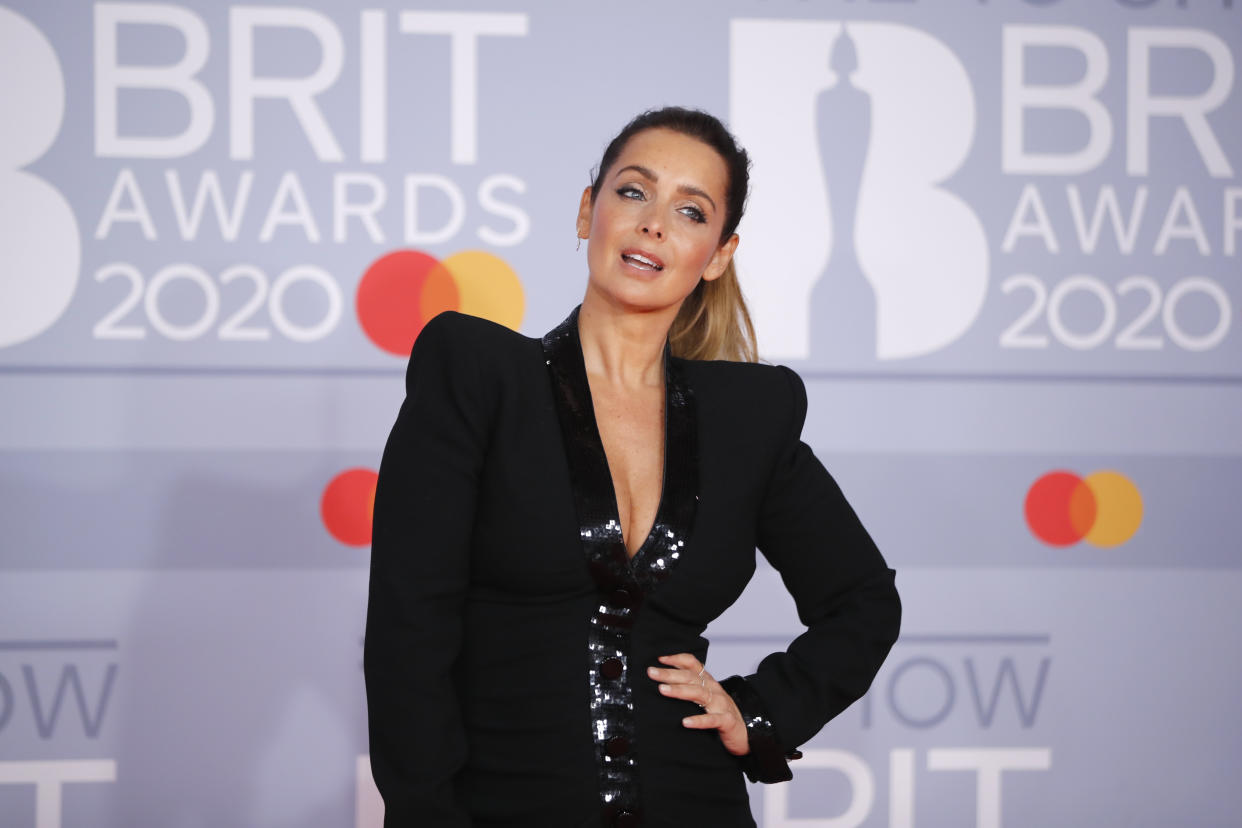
(713, 322)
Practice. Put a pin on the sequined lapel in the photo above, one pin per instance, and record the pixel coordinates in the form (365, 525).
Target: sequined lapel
(622, 583)
(595, 499)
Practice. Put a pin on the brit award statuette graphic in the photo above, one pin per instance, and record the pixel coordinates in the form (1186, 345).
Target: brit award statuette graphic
(842, 267)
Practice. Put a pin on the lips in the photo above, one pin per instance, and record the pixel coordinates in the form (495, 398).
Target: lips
(641, 259)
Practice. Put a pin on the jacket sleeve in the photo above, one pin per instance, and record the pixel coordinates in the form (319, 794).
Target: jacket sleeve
(420, 549)
(844, 593)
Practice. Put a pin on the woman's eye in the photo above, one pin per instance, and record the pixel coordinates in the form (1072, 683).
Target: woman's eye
(694, 213)
(630, 192)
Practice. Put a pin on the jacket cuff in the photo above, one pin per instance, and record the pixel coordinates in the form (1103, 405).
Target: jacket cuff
(766, 762)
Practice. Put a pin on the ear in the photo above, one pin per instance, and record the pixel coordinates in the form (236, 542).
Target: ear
(720, 259)
(585, 208)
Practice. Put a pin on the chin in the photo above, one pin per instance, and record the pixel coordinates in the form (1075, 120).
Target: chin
(640, 298)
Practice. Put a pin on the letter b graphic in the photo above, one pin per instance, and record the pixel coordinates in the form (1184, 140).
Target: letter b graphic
(849, 231)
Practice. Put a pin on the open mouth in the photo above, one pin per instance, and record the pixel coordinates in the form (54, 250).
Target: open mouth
(642, 261)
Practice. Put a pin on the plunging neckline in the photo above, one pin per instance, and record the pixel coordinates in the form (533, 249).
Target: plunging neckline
(622, 581)
(594, 492)
(612, 493)
(598, 439)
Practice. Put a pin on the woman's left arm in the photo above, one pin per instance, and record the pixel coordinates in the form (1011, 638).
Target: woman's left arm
(844, 593)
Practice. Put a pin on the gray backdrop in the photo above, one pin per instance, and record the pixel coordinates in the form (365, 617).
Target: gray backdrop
(998, 238)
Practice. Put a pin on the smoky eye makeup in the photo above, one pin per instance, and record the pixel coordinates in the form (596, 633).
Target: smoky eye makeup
(635, 192)
(694, 213)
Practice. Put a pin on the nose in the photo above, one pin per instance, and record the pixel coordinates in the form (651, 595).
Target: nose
(651, 225)
(650, 221)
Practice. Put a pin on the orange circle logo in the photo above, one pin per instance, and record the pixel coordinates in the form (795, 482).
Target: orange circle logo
(1104, 508)
(348, 504)
(401, 291)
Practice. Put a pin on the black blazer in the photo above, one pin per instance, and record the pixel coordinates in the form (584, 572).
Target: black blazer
(508, 634)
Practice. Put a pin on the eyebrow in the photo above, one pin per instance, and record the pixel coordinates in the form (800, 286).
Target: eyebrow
(684, 188)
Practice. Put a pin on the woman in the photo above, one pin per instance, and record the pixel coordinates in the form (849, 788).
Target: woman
(558, 520)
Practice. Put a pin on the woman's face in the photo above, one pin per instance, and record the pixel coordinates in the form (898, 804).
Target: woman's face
(654, 228)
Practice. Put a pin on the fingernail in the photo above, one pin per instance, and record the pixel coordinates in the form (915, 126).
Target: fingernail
(686, 722)
(664, 688)
(653, 671)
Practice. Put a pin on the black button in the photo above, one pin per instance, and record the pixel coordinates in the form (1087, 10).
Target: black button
(618, 746)
(611, 668)
(627, 819)
(620, 598)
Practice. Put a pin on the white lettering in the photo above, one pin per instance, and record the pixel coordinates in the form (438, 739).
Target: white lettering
(1233, 219)
(189, 221)
(989, 763)
(49, 776)
(290, 189)
(373, 92)
(245, 88)
(1030, 202)
(111, 77)
(343, 208)
(464, 30)
(1191, 228)
(1017, 96)
(1106, 202)
(515, 214)
(901, 788)
(855, 770)
(457, 209)
(1142, 105)
(125, 186)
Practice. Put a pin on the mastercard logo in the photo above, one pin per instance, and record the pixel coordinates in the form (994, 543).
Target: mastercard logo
(347, 506)
(401, 291)
(1104, 508)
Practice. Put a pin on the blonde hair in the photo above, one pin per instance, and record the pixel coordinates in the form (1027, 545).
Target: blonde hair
(713, 322)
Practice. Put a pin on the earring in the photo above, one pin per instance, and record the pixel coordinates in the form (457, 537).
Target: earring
(579, 245)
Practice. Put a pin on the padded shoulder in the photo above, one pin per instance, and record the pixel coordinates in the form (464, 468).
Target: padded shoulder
(484, 343)
(771, 397)
(464, 328)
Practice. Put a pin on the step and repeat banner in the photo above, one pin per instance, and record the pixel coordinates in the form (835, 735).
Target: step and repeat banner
(999, 239)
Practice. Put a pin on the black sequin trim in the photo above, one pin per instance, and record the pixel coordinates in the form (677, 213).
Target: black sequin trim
(622, 582)
(765, 762)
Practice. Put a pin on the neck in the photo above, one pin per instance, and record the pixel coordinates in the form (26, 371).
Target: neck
(621, 346)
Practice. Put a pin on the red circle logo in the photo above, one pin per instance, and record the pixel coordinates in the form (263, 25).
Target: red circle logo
(401, 291)
(347, 505)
